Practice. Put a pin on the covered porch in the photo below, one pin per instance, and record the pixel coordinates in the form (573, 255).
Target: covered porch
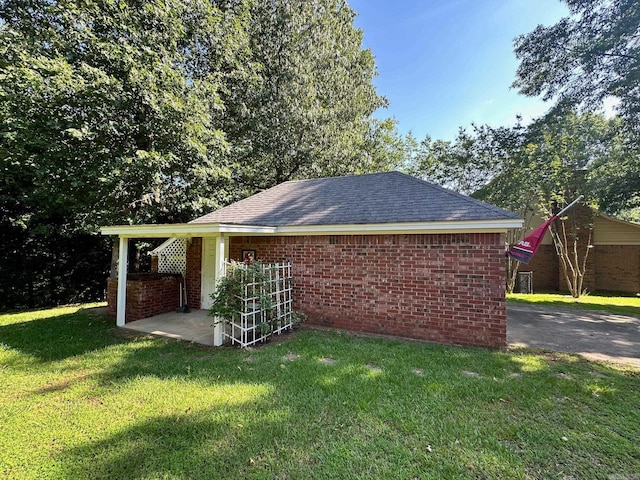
(212, 250)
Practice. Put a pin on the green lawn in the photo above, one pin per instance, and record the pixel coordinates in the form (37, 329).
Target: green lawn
(613, 303)
(81, 399)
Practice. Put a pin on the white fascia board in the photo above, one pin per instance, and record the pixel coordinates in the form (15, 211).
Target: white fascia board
(214, 229)
(257, 229)
(475, 226)
(182, 230)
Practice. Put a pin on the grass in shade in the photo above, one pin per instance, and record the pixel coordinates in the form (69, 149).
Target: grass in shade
(612, 303)
(81, 399)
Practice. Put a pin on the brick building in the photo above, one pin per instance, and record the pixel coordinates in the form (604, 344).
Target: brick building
(381, 253)
(613, 263)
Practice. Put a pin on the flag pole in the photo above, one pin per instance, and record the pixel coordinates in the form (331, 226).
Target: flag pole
(526, 248)
(568, 206)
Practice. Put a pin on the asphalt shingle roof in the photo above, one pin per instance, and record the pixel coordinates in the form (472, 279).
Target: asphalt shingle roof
(390, 197)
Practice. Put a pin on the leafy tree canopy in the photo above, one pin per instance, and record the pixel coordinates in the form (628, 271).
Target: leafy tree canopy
(306, 110)
(592, 55)
(533, 167)
(155, 111)
(108, 108)
(584, 58)
(533, 170)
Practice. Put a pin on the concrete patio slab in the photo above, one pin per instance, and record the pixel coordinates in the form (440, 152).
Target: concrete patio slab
(195, 326)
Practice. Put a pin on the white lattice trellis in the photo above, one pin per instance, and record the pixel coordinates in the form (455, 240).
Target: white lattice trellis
(253, 323)
(172, 257)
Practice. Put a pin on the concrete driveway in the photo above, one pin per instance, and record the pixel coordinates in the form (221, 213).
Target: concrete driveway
(594, 335)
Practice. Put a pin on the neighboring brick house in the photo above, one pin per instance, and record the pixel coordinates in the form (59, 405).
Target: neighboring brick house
(613, 263)
(382, 253)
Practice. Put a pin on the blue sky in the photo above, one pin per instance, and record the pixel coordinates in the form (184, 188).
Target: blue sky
(446, 63)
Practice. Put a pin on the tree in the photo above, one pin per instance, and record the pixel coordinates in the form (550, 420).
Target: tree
(565, 147)
(306, 109)
(110, 104)
(554, 161)
(582, 60)
(531, 170)
(157, 111)
(385, 148)
(467, 163)
(107, 115)
(616, 177)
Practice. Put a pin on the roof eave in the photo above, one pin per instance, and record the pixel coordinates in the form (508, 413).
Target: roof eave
(466, 226)
(213, 229)
(182, 230)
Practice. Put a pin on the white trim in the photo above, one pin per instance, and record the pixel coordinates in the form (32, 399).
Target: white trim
(121, 301)
(207, 266)
(203, 273)
(215, 229)
(182, 230)
(220, 257)
(478, 226)
(218, 327)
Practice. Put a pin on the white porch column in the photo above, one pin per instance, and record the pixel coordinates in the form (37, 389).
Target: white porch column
(221, 256)
(121, 301)
(219, 272)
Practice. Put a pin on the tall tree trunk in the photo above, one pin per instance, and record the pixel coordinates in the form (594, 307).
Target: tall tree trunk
(573, 267)
(115, 254)
(512, 274)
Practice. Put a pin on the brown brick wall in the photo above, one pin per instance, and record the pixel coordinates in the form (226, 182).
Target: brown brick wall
(589, 282)
(194, 271)
(613, 268)
(443, 288)
(158, 293)
(112, 297)
(544, 266)
(617, 268)
(578, 226)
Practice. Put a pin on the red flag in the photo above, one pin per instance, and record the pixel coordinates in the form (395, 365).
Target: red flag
(524, 249)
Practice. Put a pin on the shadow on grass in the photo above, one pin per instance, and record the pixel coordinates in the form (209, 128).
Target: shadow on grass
(207, 444)
(61, 336)
(367, 411)
(380, 408)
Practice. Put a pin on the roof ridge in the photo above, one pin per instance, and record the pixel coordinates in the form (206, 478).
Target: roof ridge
(334, 177)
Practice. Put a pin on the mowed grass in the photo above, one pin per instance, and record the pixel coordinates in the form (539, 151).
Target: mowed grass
(612, 303)
(82, 399)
